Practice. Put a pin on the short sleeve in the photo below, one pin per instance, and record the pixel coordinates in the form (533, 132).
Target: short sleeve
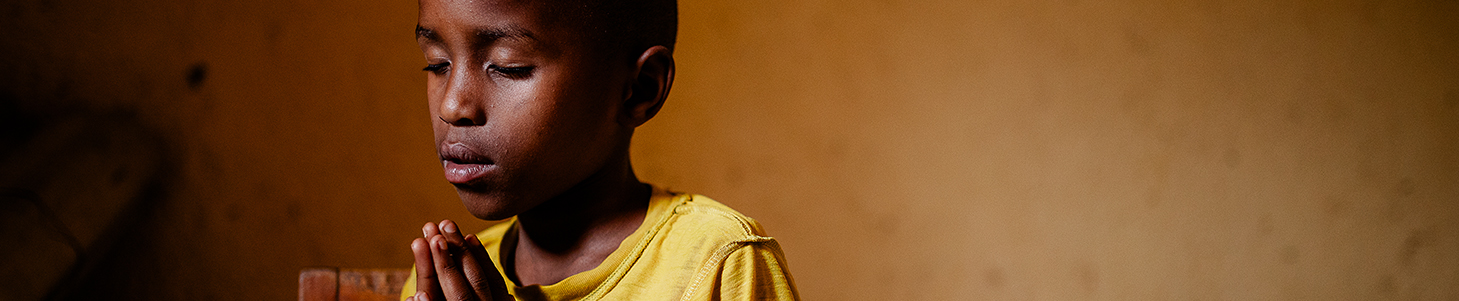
(409, 289)
(755, 271)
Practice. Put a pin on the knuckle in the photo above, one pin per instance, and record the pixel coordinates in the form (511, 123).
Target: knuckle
(463, 294)
(448, 264)
(478, 282)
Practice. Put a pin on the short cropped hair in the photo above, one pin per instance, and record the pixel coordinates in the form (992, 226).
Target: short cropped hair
(632, 25)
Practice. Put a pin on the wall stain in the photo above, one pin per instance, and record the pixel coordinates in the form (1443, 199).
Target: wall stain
(1387, 285)
(1232, 157)
(294, 213)
(1334, 206)
(1402, 192)
(1417, 240)
(1405, 187)
(994, 278)
(272, 34)
(1291, 254)
(197, 74)
(1136, 39)
(1088, 277)
(887, 224)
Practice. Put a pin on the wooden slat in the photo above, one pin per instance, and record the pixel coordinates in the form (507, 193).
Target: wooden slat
(319, 284)
(371, 284)
(331, 284)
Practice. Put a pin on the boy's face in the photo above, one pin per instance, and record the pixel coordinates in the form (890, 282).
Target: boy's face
(523, 107)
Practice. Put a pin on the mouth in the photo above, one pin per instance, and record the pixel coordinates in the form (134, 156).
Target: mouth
(464, 165)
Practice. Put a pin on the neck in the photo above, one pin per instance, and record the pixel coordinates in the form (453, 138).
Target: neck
(576, 231)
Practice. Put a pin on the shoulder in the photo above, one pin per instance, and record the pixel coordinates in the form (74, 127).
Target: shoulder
(714, 221)
(739, 261)
(692, 246)
(707, 229)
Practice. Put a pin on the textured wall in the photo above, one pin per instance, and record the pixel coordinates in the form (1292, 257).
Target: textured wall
(1050, 150)
(1241, 150)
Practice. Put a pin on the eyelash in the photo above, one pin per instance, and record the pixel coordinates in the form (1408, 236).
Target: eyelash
(437, 68)
(510, 72)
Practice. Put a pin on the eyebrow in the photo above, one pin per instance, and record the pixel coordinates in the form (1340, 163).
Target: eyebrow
(423, 33)
(482, 35)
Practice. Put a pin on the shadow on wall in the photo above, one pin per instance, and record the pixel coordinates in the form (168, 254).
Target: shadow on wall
(73, 188)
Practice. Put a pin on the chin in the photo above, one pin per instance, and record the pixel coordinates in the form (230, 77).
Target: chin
(487, 206)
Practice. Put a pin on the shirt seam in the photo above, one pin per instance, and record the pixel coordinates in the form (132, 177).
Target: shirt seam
(717, 259)
(622, 269)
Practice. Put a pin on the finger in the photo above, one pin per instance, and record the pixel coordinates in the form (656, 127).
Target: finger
(454, 285)
(452, 233)
(429, 230)
(482, 272)
(454, 241)
(426, 283)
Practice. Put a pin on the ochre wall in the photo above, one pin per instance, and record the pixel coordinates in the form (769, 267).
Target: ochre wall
(1049, 150)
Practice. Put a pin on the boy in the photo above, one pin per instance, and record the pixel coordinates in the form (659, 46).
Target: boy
(534, 106)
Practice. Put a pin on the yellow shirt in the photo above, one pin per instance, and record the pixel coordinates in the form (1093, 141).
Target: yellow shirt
(688, 248)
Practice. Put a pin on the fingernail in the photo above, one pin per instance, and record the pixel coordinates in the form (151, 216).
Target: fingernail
(449, 227)
(421, 296)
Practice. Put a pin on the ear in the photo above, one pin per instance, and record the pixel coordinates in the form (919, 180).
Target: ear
(650, 86)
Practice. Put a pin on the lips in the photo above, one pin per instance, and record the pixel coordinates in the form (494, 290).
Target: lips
(464, 165)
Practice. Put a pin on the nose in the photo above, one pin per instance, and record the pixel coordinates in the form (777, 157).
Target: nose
(463, 104)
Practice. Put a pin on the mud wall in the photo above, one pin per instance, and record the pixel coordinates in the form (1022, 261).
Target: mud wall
(922, 150)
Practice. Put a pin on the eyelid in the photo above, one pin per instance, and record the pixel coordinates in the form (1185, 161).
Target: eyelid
(437, 68)
(511, 72)
(500, 67)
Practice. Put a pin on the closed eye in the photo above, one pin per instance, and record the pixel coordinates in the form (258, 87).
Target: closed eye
(512, 72)
(437, 68)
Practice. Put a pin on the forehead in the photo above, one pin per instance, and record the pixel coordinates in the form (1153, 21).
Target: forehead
(532, 18)
(475, 10)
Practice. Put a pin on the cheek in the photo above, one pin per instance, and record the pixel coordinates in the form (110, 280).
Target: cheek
(527, 128)
(550, 128)
(436, 88)
(433, 104)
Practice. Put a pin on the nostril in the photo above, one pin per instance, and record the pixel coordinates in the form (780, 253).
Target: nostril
(458, 122)
(461, 110)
